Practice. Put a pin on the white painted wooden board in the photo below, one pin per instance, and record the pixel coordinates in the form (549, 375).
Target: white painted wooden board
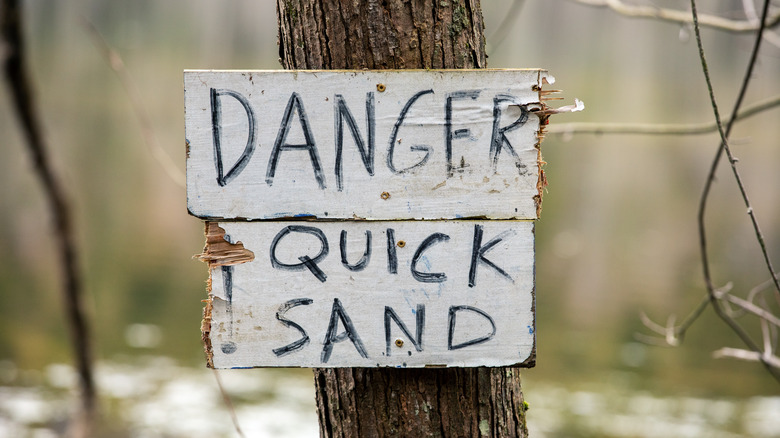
(264, 144)
(472, 284)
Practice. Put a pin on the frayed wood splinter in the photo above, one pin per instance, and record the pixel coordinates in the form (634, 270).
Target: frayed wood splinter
(219, 251)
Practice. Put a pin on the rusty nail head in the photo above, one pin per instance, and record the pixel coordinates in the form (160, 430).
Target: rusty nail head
(380, 87)
(385, 195)
(401, 244)
(399, 342)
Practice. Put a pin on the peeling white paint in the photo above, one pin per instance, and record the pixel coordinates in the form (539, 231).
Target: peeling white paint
(259, 189)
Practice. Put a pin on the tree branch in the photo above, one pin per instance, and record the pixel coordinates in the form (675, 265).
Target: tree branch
(710, 179)
(658, 129)
(147, 130)
(673, 336)
(752, 308)
(750, 12)
(755, 356)
(21, 89)
(682, 17)
(720, 299)
(497, 38)
(228, 404)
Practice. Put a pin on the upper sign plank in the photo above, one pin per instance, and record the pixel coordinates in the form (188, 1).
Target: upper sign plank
(379, 145)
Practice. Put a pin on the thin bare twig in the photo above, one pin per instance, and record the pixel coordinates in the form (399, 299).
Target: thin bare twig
(720, 299)
(652, 325)
(682, 17)
(669, 332)
(766, 335)
(756, 356)
(651, 340)
(751, 308)
(658, 129)
(724, 147)
(768, 331)
(510, 18)
(672, 336)
(710, 179)
(682, 329)
(730, 311)
(147, 130)
(228, 403)
(677, 332)
(752, 16)
(758, 289)
(21, 89)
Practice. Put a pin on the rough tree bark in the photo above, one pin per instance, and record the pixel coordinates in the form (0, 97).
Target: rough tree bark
(395, 34)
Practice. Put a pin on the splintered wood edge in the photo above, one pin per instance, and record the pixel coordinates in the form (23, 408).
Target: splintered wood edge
(544, 120)
(530, 362)
(205, 327)
(217, 252)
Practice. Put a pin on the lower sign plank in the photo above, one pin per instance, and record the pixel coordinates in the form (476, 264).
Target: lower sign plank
(375, 294)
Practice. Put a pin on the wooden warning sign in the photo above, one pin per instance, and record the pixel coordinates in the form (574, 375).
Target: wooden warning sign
(370, 218)
(367, 145)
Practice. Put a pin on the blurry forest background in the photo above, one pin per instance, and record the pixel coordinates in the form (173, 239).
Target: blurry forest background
(617, 235)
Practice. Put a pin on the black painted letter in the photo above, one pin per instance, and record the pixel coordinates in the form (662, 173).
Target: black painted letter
(363, 262)
(300, 343)
(216, 131)
(392, 255)
(281, 141)
(338, 313)
(227, 283)
(420, 324)
(341, 113)
(306, 261)
(478, 251)
(394, 137)
(460, 133)
(451, 332)
(498, 140)
(428, 277)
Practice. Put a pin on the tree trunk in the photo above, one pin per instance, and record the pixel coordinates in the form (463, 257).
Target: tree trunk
(13, 58)
(394, 34)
